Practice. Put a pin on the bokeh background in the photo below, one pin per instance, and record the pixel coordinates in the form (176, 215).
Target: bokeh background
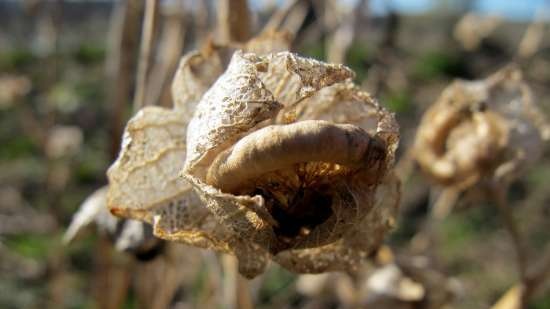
(67, 80)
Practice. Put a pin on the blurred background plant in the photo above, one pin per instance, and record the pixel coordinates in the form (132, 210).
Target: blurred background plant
(73, 72)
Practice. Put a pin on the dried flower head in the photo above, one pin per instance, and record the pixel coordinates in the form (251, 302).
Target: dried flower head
(288, 160)
(480, 130)
(304, 191)
(472, 29)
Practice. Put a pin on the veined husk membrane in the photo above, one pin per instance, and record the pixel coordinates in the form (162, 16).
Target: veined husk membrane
(283, 159)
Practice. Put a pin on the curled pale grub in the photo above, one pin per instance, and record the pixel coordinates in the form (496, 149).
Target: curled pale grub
(281, 146)
(256, 183)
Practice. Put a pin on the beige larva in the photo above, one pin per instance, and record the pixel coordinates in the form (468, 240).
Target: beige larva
(280, 146)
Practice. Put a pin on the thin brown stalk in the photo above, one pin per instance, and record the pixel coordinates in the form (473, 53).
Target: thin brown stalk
(200, 23)
(123, 31)
(244, 299)
(233, 21)
(520, 249)
(111, 281)
(276, 19)
(145, 52)
(341, 38)
(295, 19)
(229, 265)
(537, 275)
(533, 37)
(236, 293)
(518, 296)
(169, 52)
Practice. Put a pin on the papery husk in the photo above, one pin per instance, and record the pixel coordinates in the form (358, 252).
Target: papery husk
(198, 70)
(144, 181)
(480, 130)
(145, 185)
(350, 253)
(254, 91)
(357, 222)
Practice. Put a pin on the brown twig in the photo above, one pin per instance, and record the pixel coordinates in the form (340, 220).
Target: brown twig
(233, 21)
(342, 36)
(518, 296)
(145, 52)
(276, 19)
(537, 275)
(501, 201)
(169, 51)
(235, 288)
(123, 31)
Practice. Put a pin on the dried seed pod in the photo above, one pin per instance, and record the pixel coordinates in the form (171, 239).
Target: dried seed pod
(284, 187)
(472, 29)
(328, 202)
(480, 130)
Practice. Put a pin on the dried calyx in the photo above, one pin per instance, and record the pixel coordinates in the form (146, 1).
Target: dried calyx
(287, 158)
(288, 186)
(486, 130)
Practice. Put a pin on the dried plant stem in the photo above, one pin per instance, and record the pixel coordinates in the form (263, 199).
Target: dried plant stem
(501, 201)
(533, 37)
(112, 280)
(406, 165)
(32, 126)
(276, 19)
(145, 52)
(445, 203)
(426, 239)
(233, 21)
(229, 265)
(518, 296)
(235, 288)
(169, 52)
(537, 275)
(123, 31)
(200, 23)
(295, 19)
(341, 38)
(244, 299)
